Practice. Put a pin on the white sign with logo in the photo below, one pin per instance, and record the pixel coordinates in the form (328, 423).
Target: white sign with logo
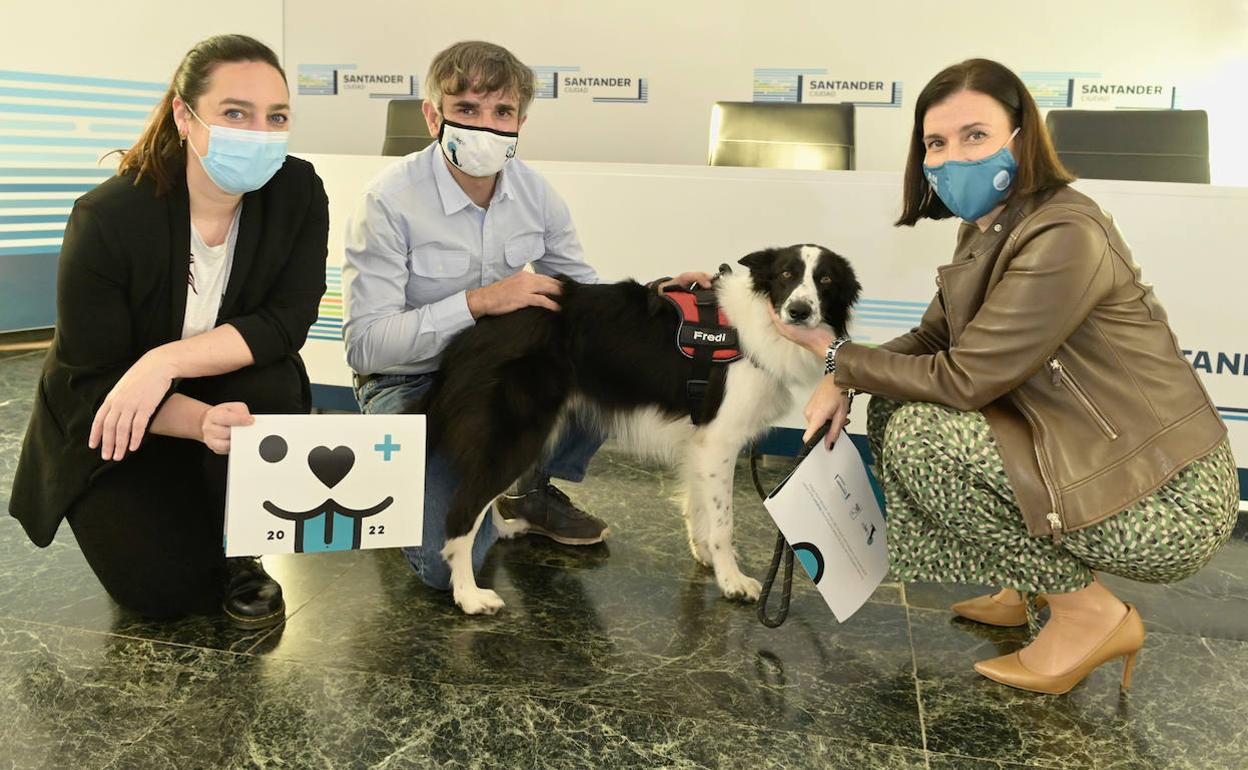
(828, 512)
(825, 89)
(317, 483)
(1102, 94)
(380, 83)
(599, 86)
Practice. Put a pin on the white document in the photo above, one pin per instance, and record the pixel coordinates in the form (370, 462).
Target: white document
(827, 510)
(315, 483)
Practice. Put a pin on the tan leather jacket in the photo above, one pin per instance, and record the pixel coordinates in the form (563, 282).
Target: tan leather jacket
(1043, 323)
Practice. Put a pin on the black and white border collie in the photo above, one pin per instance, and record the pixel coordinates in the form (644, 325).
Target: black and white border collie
(507, 383)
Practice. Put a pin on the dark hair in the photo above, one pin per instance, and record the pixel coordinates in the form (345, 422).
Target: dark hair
(1038, 165)
(158, 152)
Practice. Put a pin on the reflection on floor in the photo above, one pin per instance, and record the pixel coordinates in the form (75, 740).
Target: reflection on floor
(614, 655)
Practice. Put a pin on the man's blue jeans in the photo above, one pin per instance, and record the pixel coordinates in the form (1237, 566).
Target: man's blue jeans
(388, 394)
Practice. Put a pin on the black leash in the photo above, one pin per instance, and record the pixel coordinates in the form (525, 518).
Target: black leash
(783, 551)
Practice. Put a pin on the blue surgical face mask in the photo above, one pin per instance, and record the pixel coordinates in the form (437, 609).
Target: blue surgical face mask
(240, 161)
(972, 188)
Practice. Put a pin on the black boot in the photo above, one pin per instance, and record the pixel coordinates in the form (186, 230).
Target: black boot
(252, 598)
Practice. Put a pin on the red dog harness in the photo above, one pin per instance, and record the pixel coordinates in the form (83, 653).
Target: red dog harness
(706, 337)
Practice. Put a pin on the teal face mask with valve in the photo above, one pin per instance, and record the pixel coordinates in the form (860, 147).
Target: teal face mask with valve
(972, 188)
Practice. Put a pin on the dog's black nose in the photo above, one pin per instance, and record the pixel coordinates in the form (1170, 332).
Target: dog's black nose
(331, 465)
(799, 311)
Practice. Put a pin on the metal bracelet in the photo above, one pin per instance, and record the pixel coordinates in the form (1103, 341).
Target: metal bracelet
(829, 361)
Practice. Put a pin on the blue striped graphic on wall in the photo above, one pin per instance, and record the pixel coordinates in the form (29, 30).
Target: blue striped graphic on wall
(1233, 413)
(547, 77)
(878, 320)
(55, 130)
(1052, 89)
(780, 84)
(328, 324)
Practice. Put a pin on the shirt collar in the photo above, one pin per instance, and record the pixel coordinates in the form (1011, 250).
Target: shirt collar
(503, 188)
(454, 199)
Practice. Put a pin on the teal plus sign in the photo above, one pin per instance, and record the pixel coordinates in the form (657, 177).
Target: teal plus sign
(387, 447)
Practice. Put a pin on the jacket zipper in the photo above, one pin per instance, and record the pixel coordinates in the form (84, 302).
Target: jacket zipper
(1056, 525)
(1061, 377)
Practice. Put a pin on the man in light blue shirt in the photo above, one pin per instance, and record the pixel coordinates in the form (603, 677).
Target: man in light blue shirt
(441, 238)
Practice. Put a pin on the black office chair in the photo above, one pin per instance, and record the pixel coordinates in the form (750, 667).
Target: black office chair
(770, 135)
(406, 129)
(1143, 145)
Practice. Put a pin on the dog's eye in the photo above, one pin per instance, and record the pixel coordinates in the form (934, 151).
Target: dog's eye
(787, 274)
(826, 279)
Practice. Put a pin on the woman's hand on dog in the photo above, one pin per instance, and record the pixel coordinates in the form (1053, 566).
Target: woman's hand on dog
(524, 289)
(815, 339)
(828, 403)
(217, 423)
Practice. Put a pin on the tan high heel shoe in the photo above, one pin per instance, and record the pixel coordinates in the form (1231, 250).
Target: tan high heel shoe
(1124, 641)
(987, 610)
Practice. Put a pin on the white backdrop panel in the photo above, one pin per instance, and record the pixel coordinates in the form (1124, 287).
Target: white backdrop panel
(645, 221)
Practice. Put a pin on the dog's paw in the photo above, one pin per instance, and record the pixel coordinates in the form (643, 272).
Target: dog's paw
(478, 601)
(739, 586)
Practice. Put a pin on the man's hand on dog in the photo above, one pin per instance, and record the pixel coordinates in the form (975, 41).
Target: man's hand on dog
(688, 280)
(524, 289)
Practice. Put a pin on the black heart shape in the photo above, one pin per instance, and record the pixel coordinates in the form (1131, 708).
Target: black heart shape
(331, 466)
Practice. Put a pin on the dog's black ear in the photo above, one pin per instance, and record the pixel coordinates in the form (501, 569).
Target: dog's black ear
(758, 260)
(842, 295)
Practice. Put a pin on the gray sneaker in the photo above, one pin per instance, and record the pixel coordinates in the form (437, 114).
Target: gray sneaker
(550, 513)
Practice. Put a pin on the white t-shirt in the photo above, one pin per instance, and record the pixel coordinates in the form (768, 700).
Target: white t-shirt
(207, 279)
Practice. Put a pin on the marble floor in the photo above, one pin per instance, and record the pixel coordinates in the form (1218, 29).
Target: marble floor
(619, 655)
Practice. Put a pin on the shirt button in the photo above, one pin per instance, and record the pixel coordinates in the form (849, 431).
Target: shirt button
(996, 228)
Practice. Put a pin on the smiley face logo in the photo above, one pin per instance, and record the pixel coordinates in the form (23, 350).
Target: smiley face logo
(330, 526)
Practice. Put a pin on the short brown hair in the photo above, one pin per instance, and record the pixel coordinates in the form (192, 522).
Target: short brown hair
(1038, 165)
(159, 152)
(482, 67)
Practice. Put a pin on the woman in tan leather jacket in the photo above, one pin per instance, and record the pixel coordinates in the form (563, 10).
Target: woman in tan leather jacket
(1041, 422)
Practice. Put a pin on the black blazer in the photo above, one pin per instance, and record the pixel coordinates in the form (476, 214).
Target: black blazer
(121, 291)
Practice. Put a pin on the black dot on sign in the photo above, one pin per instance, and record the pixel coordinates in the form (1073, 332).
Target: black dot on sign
(273, 449)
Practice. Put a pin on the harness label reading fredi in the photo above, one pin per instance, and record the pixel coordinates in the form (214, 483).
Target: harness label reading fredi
(695, 332)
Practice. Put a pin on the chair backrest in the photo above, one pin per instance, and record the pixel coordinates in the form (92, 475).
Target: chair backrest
(771, 135)
(1144, 145)
(406, 129)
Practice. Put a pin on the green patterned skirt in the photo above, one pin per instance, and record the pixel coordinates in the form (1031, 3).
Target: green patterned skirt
(953, 517)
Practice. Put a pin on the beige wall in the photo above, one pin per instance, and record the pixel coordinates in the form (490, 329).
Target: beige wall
(697, 52)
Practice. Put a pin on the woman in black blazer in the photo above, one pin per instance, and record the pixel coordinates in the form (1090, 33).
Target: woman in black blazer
(186, 287)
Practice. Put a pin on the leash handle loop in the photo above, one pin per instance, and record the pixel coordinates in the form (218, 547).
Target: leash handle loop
(782, 552)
